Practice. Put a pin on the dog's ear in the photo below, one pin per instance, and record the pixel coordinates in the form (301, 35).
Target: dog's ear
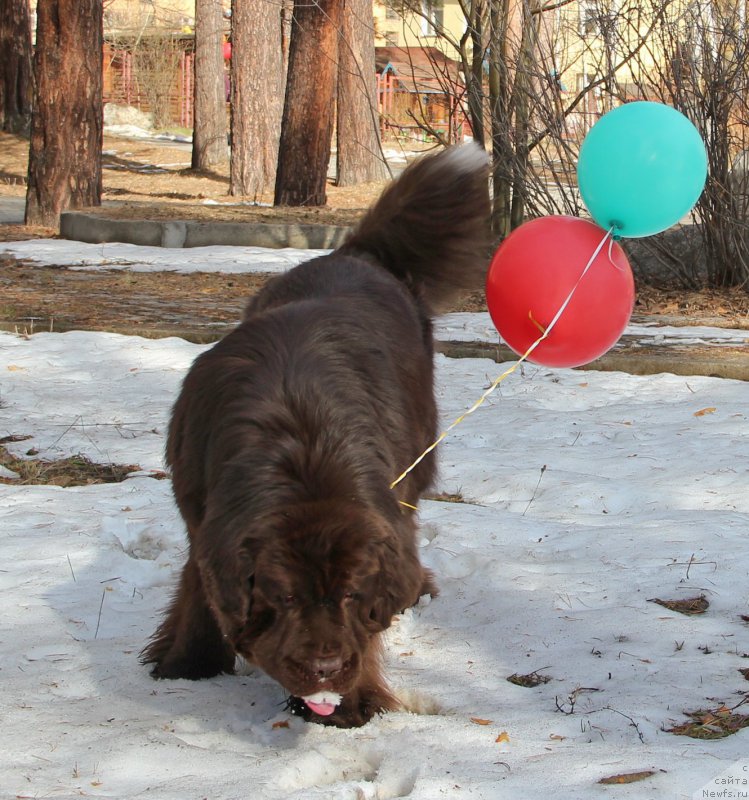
(381, 614)
(399, 581)
(227, 572)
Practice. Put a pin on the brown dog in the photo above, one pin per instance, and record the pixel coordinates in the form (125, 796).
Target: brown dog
(286, 438)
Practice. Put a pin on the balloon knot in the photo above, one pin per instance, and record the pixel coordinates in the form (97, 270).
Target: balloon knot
(536, 322)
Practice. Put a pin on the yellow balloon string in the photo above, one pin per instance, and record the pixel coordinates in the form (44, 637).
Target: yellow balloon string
(544, 334)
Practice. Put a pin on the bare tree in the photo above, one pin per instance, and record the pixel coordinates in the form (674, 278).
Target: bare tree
(157, 56)
(308, 115)
(66, 127)
(209, 138)
(359, 152)
(472, 55)
(15, 66)
(553, 73)
(552, 67)
(257, 91)
(704, 72)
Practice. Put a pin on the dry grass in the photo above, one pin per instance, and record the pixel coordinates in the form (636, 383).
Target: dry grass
(691, 606)
(529, 681)
(715, 724)
(445, 497)
(72, 471)
(149, 179)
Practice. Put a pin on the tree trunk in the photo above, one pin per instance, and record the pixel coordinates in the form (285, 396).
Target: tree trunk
(258, 79)
(499, 101)
(523, 97)
(307, 126)
(66, 126)
(15, 66)
(359, 153)
(209, 144)
(472, 56)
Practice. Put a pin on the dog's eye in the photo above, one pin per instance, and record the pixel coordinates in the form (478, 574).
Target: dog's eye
(349, 597)
(288, 600)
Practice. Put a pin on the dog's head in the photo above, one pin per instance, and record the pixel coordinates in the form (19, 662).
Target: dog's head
(324, 580)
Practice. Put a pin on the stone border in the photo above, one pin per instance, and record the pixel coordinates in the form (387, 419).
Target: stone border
(96, 229)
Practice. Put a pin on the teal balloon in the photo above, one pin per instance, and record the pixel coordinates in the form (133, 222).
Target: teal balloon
(641, 168)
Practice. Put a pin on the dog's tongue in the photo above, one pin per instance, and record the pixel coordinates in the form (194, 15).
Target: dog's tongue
(323, 703)
(323, 709)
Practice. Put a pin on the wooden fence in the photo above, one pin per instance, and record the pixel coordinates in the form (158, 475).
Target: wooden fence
(169, 97)
(163, 86)
(410, 114)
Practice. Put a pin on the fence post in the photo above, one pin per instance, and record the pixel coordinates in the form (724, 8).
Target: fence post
(186, 91)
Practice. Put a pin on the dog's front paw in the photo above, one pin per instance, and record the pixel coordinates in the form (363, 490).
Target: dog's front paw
(354, 709)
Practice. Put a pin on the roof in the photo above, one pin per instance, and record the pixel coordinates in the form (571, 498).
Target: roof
(419, 69)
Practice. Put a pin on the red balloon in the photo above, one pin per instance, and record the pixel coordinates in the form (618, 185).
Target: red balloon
(532, 274)
(227, 51)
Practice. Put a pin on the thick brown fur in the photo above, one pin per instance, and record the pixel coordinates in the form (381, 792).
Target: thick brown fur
(288, 433)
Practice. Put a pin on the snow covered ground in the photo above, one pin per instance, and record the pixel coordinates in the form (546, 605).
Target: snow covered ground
(585, 496)
(135, 258)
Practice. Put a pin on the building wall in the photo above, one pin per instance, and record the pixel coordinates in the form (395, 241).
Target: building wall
(588, 37)
(129, 14)
(573, 37)
(414, 30)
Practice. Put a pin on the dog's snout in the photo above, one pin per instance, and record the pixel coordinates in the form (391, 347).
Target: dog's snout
(326, 666)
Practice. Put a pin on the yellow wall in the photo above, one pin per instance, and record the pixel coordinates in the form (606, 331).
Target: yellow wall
(413, 31)
(564, 40)
(585, 54)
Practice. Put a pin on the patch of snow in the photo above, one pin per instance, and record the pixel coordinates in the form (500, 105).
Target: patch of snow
(585, 496)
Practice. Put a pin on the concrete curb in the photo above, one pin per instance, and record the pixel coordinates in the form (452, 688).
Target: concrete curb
(96, 229)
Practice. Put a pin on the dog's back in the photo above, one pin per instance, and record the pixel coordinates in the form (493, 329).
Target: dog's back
(335, 368)
(352, 326)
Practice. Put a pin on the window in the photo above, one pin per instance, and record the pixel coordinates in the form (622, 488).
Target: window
(589, 22)
(433, 16)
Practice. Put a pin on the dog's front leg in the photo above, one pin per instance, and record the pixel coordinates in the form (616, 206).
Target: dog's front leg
(189, 643)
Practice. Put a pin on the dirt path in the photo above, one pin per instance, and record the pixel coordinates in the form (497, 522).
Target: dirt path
(199, 306)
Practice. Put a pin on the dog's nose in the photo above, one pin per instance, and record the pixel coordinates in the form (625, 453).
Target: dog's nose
(326, 666)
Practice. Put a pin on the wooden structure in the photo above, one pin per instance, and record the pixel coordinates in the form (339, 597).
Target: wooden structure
(153, 74)
(420, 89)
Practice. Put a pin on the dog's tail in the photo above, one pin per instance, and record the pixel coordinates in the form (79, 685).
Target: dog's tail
(430, 227)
